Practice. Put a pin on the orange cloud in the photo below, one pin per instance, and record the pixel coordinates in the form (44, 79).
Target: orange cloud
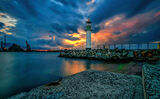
(76, 43)
(113, 20)
(116, 29)
(126, 27)
(157, 14)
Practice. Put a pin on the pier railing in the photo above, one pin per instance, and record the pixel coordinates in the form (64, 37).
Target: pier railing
(130, 46)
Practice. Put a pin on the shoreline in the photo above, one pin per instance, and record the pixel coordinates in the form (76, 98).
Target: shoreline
(89, 84)
(100, 84)
(42, 92)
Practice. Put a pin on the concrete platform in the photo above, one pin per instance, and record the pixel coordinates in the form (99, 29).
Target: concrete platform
(89, 85)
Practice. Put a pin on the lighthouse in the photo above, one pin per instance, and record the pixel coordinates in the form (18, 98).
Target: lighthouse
(88, 34)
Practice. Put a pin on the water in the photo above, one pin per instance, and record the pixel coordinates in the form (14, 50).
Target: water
(23, 71)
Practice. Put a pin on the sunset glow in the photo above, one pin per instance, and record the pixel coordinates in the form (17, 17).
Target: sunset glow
(77, 43)
(73, 67)
(112, 22)
(79, 48)
(123, 27)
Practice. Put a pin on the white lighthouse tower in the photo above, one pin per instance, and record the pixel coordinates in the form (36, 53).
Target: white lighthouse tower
(88, 34)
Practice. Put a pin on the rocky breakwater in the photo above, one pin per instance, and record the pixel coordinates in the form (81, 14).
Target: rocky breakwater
(89, 85)
(151, 81)
(115, 55)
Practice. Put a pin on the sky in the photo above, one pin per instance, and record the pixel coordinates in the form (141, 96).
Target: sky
(50, 24)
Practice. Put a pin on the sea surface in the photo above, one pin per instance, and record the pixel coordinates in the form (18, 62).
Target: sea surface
(22, 71)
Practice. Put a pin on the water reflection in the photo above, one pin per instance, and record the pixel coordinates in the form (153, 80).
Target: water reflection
(73, 67)
(23, 71)
(99, 67)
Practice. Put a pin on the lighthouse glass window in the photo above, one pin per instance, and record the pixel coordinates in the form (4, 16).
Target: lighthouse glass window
(88, 26)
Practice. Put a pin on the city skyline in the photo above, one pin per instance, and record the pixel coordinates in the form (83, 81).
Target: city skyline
(48, 24)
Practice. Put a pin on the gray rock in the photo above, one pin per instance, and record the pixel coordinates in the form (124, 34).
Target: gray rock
(151, 74)
(90, 84)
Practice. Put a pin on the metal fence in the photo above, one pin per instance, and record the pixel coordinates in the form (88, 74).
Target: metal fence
(131, 46)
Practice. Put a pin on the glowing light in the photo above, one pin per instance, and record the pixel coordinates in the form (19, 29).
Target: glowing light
(74, 35)
(75, 43)
(54, 38)
(73, 67)
(70, 42)
(8, 33)
(99, 67)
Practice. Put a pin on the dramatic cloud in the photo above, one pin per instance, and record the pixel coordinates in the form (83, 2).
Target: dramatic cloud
(1, 25)
(7, 23)
(120, 29)
(50, 24)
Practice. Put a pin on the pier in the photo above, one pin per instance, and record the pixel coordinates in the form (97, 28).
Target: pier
(114, 55)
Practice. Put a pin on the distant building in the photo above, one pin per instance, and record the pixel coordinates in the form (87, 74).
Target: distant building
(2, 47)
(3, 44)
(28, 47)
(5, 41)
(88, 34)
(15, 48)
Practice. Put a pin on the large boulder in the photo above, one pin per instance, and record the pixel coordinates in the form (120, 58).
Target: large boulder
(151, 81)
(89, 84)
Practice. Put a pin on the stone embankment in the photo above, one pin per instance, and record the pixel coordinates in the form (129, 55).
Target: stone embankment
(93, 84)
(151, 81)
(114, 55)
(89, 85)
